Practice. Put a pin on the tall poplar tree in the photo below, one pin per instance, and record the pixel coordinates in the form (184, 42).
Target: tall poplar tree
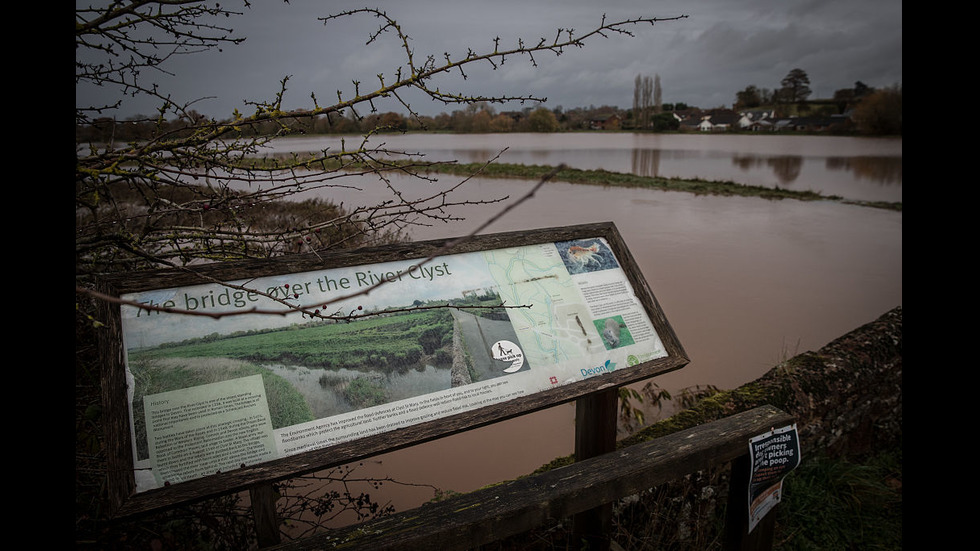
(657, 95)
(642, 101)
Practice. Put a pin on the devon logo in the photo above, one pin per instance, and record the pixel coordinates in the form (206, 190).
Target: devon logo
(607, 367)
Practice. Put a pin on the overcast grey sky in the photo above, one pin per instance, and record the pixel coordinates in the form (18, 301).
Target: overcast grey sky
(703, 60)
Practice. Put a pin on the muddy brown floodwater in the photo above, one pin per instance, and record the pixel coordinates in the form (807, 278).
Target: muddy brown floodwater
(744, 282)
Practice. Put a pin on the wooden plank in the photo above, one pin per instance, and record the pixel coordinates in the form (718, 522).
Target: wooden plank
(514, 507)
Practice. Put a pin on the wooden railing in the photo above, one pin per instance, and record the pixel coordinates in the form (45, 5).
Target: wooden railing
(485, 516)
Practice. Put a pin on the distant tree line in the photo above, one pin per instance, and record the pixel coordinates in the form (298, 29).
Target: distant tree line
(476, 118)
(873, 111)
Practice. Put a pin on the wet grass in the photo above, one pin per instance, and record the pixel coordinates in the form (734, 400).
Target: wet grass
(620, 179)
(582, 176)
(842, 504)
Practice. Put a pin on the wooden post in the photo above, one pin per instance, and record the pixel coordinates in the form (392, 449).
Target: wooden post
(737, 536)
(263, 497)
(595, 434)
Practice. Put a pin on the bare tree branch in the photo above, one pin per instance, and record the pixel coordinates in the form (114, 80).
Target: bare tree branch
(194, 189)
(312, 310)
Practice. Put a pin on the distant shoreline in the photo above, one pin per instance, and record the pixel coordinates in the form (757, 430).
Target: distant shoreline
(619, 179)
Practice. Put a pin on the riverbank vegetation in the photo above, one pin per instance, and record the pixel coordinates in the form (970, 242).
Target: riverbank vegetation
(606, 178)
(386, 343)
(594, 177)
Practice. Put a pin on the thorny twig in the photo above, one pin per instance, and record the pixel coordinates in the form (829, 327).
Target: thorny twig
(212, 163)
(307, 309)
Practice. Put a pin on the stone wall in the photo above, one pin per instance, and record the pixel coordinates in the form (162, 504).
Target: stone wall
(847, 396)
(847, 400)
(460, 373)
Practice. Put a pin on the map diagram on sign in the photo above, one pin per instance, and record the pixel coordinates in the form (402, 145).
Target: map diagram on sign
(556, 327)
(579, 315)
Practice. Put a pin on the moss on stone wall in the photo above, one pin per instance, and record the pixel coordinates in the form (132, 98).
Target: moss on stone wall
(847, 400)
(847, 397)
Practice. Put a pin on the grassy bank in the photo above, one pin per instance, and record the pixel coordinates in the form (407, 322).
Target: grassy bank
(579, 176)
(619, 179)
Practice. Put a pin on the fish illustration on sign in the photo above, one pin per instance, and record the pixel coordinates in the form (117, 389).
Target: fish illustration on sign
(584, 256)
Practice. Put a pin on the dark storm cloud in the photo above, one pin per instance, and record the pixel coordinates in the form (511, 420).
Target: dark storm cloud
(722, 47)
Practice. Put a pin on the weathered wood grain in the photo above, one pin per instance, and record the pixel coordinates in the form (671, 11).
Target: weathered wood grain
(494, 513)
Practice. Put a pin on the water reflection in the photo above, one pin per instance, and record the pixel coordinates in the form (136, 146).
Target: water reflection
(881, 170)
(646, 162)
(786, 168)
(323, 389)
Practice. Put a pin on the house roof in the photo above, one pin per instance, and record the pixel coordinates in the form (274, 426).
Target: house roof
(605, 117)
(723, 118)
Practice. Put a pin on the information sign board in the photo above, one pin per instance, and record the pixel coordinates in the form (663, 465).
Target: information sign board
(255, 371)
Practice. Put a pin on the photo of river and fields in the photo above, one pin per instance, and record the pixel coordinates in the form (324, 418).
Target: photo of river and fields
(323, 368)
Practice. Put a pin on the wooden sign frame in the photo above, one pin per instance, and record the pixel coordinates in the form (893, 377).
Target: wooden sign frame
(590, 246)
